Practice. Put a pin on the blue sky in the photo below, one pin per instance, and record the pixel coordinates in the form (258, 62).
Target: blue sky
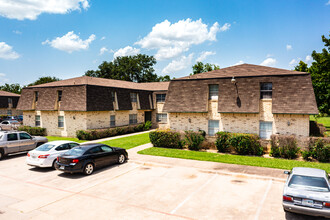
(65, 38)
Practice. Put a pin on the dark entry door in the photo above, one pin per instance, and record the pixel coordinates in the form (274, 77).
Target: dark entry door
(147, 116)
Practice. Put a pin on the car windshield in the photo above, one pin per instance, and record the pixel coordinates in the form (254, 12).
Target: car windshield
(309, 183)
(45, 147)
(77, 151)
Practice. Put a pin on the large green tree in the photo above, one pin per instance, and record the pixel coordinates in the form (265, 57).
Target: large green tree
(137, 68)
(14, 88)
(44, 79)
(320, 74)
(200, 67)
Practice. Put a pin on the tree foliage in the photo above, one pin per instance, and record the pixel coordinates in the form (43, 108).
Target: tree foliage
(14, 88)
(137, 68)
(45, 79)
(320, 74)
(200, 67)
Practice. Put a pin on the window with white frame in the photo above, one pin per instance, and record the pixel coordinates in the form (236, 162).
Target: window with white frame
(37, 120)
(162, 117)
(266, 90)
(133, 119)
(213, 92)
(133, 97)
(9, 112)
(213, 127)
(112, 121)
(60, 121)
(265, 129)
(160, 97)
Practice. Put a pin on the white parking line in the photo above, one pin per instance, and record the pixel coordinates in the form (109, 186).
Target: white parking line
(192, 194)
(263, 200)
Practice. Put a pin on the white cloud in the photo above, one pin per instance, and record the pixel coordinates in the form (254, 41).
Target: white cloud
(328, 3)
(288, 47)
(103, 50)
(171, 40)
(239, 62)
(179, 64)
(293, 62)
(7, 52)
(103, 38)
(269, 62)
(308, 59)
(225, 27)
(204, 55)
(17, 32)
(3, 78)
(31, 9)
(70, 42)
(126, 51)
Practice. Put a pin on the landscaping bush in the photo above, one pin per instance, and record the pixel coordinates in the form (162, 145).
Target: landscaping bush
(166, 139)
(147, 125)
(284, 146)
(109, 132)
(222, 141)
(246, 144)
(35, 131)
(193, 140)
(319, 149)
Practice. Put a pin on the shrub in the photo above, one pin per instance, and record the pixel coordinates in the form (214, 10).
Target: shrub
(246, 144)
(147, 125)
(202, 132)
(284, 146)
(166, 138)
(222, 141)
(193, 140)
(320, 151)
(36, 131)
(306, 155)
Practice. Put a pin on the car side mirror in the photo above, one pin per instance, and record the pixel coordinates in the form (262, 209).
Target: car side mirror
(287, 172)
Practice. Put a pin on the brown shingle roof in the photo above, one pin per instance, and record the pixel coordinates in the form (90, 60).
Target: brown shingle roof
(86, 80)
(4, 93)
(243, 70)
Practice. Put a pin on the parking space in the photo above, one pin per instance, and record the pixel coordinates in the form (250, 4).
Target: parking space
(135, 191)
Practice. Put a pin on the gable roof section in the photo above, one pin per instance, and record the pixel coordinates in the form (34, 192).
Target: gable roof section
(5, 93)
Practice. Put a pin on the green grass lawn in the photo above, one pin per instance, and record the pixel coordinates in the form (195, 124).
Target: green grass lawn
(233, 159)
(55, 138)
(323, 120)
(129, 142)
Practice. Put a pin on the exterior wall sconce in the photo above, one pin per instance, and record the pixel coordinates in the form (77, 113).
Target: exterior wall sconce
(74, 117)
(289, 123)
(233, 80)
(189, 120)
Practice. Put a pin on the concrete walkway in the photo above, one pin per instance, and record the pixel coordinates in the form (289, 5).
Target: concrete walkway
(223, 168)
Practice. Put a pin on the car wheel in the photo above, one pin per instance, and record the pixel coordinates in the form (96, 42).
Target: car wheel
(89, 168)
(53, 165)
(1, 154)
(121, 159)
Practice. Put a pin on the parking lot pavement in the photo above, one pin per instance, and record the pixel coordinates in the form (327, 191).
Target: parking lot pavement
(135, 191)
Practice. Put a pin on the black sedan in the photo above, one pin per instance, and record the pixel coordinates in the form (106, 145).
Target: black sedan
(86, 158)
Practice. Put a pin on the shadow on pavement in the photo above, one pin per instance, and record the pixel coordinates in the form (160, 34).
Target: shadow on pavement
(13, 156)
(294, 216)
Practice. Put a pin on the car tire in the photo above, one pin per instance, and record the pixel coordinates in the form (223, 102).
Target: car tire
(121, 159)
(53, 165)
(1, 154)
(89, 169)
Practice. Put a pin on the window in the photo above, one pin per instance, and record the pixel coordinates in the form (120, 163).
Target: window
(133, 119)
(113, 99)
(59, 96)
(106, 149)
(37, 120)
(213, 92)
(265, 130)
(112, 121)
(60, 121)
(162, 118)
(213, 127)
(72, 145)
(94, 150)
(9, 112)
(266, 90)
(12, 137)
(63, 147)
(36, 96)
(160, 97)
(24, 136)
(10, 101)
(133, 97)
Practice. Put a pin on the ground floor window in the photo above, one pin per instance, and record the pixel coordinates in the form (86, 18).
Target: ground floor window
(9, 112)
(37, 120)
(60, 121)
(265, 129)
(133, 119)
(162, 118)
(112, 121)
(213, 127)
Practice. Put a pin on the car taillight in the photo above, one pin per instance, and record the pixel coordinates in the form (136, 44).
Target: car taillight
(28, 154)
(75, 161)
(326, 204)
(43, 156)
(58, 159)
(287, 198)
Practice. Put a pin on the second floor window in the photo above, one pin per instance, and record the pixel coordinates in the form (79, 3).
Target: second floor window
(59, 96)
(213, 92)
(133, 97)
(36, 96)
(113, 99)
(37, 120)
(160, 97)
(266, 90)
(133, 119)
(10, 101)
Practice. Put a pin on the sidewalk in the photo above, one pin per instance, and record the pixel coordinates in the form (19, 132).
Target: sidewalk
(223, 168)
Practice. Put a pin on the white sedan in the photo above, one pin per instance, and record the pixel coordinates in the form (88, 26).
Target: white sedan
(45, 155)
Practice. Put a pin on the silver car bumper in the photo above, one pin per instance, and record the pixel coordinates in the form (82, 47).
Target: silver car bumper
(306, 210)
